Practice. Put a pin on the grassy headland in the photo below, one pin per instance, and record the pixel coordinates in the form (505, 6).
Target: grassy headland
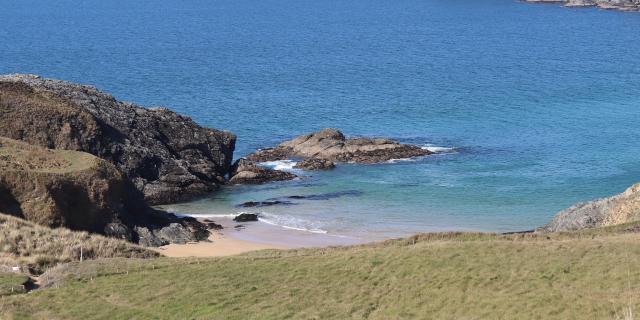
(580, 275)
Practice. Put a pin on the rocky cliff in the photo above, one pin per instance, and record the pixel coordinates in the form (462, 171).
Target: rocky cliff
(76, 190)
(167, 156)
(618, 209)
(622, 5)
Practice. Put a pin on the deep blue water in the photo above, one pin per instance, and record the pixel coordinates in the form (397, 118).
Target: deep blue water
(542, 102)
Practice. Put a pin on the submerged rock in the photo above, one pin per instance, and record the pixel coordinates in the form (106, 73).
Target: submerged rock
(332, 145)
(246, 217)
(621, 208)
(168, 157)
(244, 171)
(268, 203)
(76, 190)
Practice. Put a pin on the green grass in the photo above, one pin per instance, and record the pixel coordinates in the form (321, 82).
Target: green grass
(587, 275)
(12, 283)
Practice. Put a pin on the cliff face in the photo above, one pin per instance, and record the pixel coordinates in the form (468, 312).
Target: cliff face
(76, 190)
(167, 156)
(618, 209)
(622, 5)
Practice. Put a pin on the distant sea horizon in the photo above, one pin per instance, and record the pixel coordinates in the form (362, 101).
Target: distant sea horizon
(536, 106)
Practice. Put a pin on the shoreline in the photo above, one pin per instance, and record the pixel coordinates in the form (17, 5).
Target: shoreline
(237, 238)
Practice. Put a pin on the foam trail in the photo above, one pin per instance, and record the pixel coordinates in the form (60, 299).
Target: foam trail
(438, 149)
(289, 222)
(282, 165)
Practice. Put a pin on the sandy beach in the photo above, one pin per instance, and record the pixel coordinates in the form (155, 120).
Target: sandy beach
(236, 238)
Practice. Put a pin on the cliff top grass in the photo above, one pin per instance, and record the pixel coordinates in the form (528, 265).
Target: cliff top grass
(580, 275)
(20, 156)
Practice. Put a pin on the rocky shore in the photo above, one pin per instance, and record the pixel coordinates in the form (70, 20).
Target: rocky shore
(166, 156)
(75, 157)
(621, 5)
(618, 209)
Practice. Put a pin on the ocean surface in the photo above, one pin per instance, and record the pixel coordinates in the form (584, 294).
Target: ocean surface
(539, 104)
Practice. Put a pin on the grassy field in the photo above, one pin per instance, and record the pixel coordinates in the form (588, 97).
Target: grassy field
(588, 275)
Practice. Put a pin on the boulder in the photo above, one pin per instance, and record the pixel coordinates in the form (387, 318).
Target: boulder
(315, 164)
(247, 172)
(619, 209)
(76, 190)
(168, 157)
(246, 217)
(332, 145)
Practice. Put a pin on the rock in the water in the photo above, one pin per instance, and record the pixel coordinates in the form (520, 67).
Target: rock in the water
(268, 203)
(76, 190)
(314, 164)
(247, 172)
(214, 226)
(167, 156)
(332, 145)
(246, 217)
(618, 209)
(621, 5)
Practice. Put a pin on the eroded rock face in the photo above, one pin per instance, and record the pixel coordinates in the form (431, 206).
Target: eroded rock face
(331, 145)
(244, 171)
(618, 209)
(622, 5)
(76, 190)
(167, 156)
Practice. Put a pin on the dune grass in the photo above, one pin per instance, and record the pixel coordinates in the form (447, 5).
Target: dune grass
(27, 244)
(587, 275)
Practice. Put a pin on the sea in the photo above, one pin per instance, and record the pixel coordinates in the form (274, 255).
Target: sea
(532, 107)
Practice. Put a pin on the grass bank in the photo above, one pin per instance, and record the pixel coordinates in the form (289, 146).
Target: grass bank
(587, 275)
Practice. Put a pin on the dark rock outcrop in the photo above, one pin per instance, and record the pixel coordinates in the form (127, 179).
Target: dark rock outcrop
(167, 156)
(621, 5)
(618, 209)
(315, 164)
(244, 171)
(76, 190)
(246, 217)
(332, 145)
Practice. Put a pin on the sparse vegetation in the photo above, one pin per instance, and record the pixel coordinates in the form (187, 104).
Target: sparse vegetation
(581, 275)
(25, 243)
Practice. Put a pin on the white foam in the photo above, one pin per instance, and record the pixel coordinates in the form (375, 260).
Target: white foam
(438, 149)
(282, 165)
(289, 222)
(402, 160)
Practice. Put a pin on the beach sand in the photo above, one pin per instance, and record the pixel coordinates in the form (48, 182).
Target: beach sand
(251, 236)
(219, 246)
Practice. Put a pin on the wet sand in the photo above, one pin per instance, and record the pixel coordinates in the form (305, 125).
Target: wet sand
(251, 236)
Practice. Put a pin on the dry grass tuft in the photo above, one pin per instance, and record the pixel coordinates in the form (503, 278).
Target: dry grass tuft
(25, 243)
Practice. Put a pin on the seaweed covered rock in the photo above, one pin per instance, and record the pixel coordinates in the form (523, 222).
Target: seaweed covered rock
(168, 157)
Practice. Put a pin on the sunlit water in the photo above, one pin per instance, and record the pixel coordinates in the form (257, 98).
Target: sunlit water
(541, 103)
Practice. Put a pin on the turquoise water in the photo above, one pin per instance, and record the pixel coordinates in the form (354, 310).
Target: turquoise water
(541, 103)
